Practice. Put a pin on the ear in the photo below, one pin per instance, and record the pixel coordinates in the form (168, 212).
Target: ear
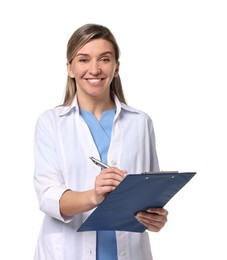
(69, 70)
(117, 69)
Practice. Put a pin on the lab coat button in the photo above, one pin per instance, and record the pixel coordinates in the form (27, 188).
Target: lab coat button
(113, 162)
(122, 253)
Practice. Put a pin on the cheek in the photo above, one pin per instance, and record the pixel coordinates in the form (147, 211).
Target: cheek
(78, 72)
(111, 72)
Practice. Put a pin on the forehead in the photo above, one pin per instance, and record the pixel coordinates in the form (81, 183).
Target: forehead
(97, 47)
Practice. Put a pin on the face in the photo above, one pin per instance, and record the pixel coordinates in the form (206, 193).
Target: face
(94, 68)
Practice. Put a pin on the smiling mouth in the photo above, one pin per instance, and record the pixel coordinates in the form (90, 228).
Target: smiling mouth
(94, 80)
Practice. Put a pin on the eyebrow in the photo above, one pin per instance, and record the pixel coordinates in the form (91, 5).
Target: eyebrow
(101, 54)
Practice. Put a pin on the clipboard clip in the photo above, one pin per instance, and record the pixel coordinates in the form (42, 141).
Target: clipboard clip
(161, 172)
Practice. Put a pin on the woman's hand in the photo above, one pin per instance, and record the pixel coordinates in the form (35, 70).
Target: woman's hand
(107, 181)
(154, 218)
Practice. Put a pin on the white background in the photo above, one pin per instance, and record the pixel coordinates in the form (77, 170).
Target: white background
(173, 66)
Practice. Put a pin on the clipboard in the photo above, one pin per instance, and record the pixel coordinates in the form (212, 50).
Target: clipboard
(135, 193)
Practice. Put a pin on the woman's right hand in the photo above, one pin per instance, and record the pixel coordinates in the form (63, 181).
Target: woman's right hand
(107, 180)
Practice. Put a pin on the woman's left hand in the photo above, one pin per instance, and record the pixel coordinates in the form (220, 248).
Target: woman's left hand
(153, 218)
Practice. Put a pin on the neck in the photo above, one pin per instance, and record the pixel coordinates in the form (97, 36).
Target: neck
(95, 105)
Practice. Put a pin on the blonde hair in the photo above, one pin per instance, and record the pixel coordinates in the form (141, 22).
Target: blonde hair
(79, 38)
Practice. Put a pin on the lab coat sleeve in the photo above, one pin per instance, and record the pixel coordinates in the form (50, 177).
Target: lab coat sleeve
(150, 145)
(48, 180)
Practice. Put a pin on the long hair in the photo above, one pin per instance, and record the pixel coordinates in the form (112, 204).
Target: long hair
(79, 38)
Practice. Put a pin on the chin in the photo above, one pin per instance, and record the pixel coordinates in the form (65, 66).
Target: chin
(98, 92)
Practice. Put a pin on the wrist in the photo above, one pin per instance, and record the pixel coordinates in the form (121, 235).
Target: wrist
(96, 199)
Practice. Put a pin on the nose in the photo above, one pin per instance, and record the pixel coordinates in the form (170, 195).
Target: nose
(94, 68)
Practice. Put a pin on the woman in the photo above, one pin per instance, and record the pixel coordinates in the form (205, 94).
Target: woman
(94, 120)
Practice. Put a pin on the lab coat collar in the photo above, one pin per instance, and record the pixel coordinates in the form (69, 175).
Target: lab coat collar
(64, 110)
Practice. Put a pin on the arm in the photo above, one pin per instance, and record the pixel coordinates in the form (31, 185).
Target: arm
(154, 218)
(73, 202)
(55, 199)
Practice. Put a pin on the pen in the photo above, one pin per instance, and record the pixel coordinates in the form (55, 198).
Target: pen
(97, 162)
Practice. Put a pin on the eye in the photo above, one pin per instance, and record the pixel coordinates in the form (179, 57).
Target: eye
(83, 60)
(105, 59)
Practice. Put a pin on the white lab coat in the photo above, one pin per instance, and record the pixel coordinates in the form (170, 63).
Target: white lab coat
(63, 145)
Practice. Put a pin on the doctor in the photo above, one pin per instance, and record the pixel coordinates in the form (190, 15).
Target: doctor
(94, 120)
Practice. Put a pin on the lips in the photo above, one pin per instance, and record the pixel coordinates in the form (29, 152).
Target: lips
(94, 80)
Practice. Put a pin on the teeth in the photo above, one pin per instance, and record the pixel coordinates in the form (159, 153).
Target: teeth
(94, 80)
